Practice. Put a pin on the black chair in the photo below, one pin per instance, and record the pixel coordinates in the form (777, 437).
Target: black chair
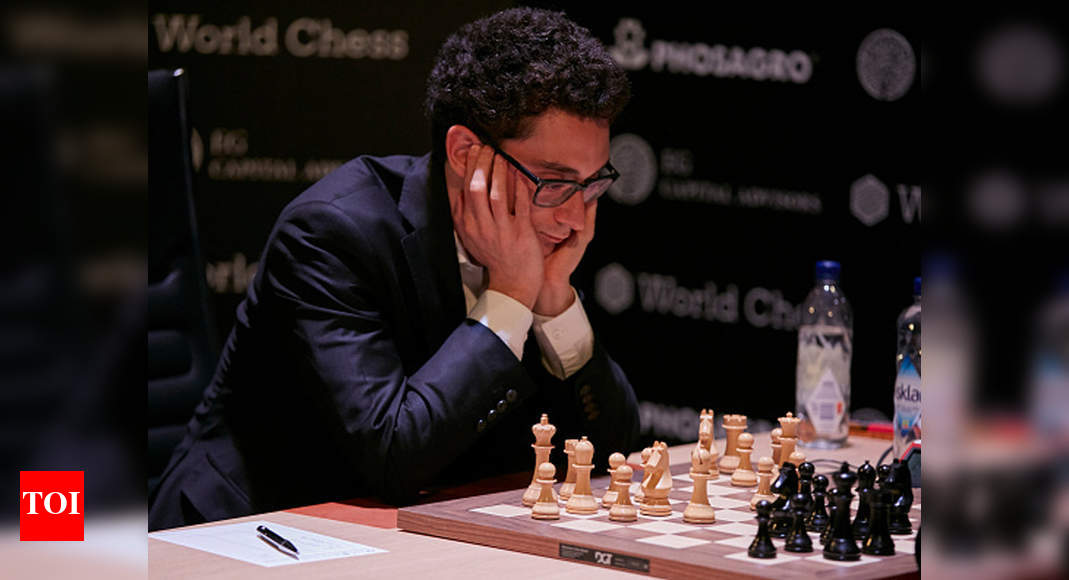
(182, 348)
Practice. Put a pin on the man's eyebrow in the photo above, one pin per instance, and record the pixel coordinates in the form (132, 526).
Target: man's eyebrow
(564, 169)
(557, 167)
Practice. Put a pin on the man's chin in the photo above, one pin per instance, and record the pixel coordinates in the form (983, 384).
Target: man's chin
(547, 248)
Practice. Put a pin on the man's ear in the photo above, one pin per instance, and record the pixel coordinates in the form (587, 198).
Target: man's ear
(458, 139)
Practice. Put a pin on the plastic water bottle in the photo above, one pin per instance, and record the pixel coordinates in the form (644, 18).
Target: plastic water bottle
(822, 378)
(907, 422)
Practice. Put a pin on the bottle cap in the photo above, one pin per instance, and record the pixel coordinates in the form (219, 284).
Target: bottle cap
(917, 286)
(828, 270)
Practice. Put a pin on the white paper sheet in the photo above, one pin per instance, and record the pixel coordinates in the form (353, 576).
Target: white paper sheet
(242, 542)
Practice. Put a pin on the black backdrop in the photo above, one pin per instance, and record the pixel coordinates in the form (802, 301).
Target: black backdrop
(753, 147)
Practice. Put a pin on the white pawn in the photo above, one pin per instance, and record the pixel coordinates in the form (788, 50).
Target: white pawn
(616, 460)
(744, 475)
(622, 509)
(546, 508)
(698, 510)
(764, 475)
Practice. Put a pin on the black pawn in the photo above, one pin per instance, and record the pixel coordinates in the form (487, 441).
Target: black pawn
(841, 545)
(798, 540)
(883, 471)
(818, 516)
(866, 479)
(900, 484)
(762, 546)
(785, 486)
(879, 542)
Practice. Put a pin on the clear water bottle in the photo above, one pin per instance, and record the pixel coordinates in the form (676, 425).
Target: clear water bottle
(822, 378)
(907, 421)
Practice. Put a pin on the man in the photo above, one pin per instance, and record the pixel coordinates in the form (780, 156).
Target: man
(413, 317)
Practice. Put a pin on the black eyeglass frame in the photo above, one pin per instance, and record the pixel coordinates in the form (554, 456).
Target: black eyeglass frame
(577, 186)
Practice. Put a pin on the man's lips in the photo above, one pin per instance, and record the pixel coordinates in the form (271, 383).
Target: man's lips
(551, 239)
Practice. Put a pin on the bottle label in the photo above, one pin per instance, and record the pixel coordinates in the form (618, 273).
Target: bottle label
(907, 404)
(826, 406)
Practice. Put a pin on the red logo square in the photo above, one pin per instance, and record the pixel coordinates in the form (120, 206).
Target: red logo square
(51, 506)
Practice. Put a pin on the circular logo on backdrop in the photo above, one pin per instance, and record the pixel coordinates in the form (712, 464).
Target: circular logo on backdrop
(869, 200)
(630, 47)
(614, 288)
(634, 159)
(886, 65)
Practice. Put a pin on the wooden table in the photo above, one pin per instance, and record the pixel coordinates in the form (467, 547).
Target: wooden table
(415, 555)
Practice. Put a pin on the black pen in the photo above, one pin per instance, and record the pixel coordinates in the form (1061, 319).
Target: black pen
(277, 540)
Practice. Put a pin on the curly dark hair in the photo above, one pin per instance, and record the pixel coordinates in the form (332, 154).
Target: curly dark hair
(497, 73)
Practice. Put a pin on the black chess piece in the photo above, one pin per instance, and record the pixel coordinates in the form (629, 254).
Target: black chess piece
(866, 479)
(785, 486)
(762, 546)
(818, 516)
(841, 545)
(879, 542)
(883, 471)
(900, 484)
(798, 540)
(805, 483)
(826, 534)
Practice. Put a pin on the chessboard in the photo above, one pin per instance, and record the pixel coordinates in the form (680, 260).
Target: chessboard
(658, 546)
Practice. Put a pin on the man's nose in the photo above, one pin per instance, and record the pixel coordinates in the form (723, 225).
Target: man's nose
(572, 213)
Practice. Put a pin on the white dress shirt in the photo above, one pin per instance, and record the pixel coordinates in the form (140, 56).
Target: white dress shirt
(566, 340)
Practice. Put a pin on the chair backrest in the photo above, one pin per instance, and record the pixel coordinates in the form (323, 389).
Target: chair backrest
(182, 345)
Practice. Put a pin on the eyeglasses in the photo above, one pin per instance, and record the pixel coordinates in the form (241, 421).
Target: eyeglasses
(554, 192)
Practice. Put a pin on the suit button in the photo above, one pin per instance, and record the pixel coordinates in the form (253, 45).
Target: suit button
(480, 426)
(491, 416)
(501, 406)
(511, 395)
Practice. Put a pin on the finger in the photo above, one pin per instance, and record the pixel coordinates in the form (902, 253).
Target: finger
(479, 184)
(469, 164)
(499, 189)
(524, 197)
(513, 176)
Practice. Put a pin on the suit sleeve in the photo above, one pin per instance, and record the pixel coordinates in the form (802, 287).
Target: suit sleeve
(327, 280)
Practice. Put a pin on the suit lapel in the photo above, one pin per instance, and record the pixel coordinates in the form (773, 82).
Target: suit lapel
(431, 253)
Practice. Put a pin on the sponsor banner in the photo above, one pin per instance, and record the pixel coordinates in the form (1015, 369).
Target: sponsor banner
(752, 148)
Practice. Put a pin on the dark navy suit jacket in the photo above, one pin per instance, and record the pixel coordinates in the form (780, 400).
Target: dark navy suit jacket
(352, 369)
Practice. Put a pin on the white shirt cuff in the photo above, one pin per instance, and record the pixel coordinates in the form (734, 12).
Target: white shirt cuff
(505, 316)
(566, 340)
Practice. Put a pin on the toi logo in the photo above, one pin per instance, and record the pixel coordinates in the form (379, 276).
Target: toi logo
(50, 506)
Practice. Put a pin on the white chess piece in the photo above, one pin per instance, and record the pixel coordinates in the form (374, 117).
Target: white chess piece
(616, 461)
(546, 507)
